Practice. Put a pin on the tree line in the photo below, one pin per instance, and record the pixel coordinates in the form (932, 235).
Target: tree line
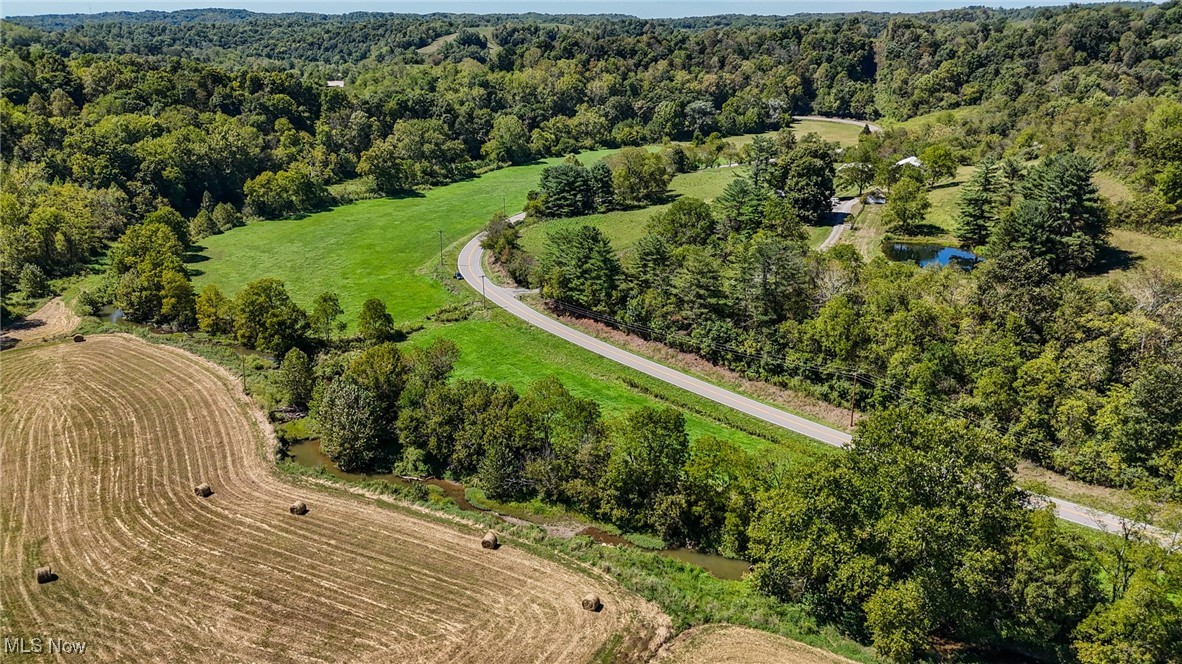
(916, 533)
(108, 121)
(1082, 379)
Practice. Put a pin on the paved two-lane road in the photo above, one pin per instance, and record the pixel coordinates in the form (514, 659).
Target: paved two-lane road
(471, 266)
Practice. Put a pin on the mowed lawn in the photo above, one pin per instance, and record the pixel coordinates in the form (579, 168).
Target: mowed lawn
(837, 132)
(377, 248)
(624, 227)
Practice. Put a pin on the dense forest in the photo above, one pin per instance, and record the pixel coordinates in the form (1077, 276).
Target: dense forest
(127, 138)
(1081, 379)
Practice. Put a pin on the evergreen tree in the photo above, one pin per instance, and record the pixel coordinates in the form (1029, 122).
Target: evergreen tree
(1060, 217)
(567, 189)
(979, 203)
(580, 267)
(739, 208)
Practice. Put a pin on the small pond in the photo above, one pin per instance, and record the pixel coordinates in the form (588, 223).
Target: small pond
(924, 254)
(109, 314)
(307, 453)
(115, 316)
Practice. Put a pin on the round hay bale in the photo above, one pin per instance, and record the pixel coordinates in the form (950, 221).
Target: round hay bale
(78, 338)
(45, 574)
(298, 508)
(591, 602)
(490, 541)
(203, 490)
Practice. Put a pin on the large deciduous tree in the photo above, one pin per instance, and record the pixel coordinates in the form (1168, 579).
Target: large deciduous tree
(375, 323)
(266, 318)
(907, 207)
(908, 530)
(638, 176)
(352, 429)
(508, 142)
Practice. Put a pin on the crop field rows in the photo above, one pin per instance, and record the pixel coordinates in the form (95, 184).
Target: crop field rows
(103, 444)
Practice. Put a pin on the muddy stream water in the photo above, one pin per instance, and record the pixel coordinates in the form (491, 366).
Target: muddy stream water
(307, 453)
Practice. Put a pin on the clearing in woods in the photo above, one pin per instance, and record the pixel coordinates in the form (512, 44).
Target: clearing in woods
(730, 644)
(98, 474)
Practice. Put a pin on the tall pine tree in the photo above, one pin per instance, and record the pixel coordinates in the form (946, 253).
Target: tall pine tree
(979, 204)
(1060, 217)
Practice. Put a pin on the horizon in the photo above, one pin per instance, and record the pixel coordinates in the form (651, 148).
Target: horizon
(645, 10)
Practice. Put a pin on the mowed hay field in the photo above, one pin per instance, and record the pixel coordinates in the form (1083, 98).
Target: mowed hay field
(730, 644)
(54, 319)
(102, 445)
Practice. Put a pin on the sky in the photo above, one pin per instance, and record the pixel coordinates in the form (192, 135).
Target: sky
(641, 8)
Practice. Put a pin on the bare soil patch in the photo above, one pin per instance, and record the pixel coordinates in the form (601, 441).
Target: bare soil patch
(103, 444)
(730, 644)
(52, 320)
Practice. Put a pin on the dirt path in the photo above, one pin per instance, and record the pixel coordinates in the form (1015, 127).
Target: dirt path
(52, 320)
(102, 445)
(729, 644)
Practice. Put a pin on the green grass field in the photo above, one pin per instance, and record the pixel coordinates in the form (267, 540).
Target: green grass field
(389, 248)
(624, 227)
(377, 248)
(497, 346)
(838, 132)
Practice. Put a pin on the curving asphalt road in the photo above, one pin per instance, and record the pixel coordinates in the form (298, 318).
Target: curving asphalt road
(471, 264)
(471, 267)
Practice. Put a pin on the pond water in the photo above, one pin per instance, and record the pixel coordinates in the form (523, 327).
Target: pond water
(925, 254)
(307, 453)
(109, 314)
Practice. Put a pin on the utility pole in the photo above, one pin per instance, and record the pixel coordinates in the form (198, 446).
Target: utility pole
(242, 358)
(482, 293)
(440, 248)
(502, 205)
(853, 397)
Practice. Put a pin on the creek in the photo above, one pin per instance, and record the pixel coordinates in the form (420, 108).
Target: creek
(307, 453)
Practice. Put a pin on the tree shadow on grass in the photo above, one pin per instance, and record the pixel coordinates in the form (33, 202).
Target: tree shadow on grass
(195, 255)
(926, 230)
(1114, 259)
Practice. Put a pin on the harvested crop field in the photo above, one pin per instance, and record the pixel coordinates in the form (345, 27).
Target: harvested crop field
(103, 445)
(52, 320)
(729, 644)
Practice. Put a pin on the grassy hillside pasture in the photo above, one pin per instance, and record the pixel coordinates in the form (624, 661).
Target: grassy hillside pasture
(375, 248)
(389, 249)
(837, 132)
(625, 227)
